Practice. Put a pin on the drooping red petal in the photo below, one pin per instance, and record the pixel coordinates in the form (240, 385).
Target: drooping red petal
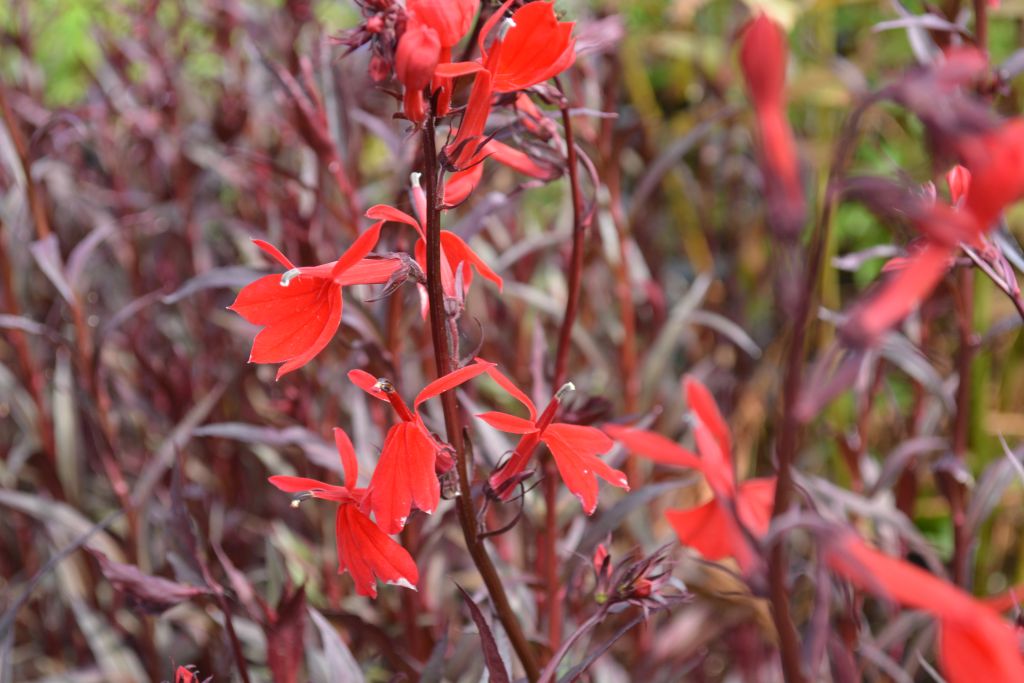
(363, 245)
(457, 251)
(404, 476)
(980, 649)
(901, 294)
(715, 464)
(517, 160)
(514, 391)
(369, 554)
(327, 321)
(452, 380)
(366, 382)
(703, 404)
(705, 528)
(461, 184)
(347, 453)
(456, 69)
(274, 253)
(383, 212)
(654, 447)
(899, 581)
(298, 484)
(575, 449)
(754, 501)
(508, 423)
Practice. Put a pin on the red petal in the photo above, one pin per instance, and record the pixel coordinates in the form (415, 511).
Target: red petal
(349, 462)
(517, 160)
(450, 18)
(514, 391)
(458, 251)
(298, 484)
(492, 21)
(363, 245)
(574, 448)
(366, 382)
(370, 271)
(508, 423)
(982, 648)
(265, 301)
(705, 528)
(456, 69)
(274, 253)
(383, 212)
(901, 294)
(754, 502)
(369, 554)
(327, 321)
(703, 404)
(462, 149)
(452, 380)
(404, 476)
(653, 446)
(716, 465)
(461, 184)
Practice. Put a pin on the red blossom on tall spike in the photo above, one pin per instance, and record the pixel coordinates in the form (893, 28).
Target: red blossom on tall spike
(364, 551)
(975, 644)
(711, 528)
(300, 311)
(763, 57)
(575, 448)
(527, 48)
(444, 22)
(412, 457)
(995, 161)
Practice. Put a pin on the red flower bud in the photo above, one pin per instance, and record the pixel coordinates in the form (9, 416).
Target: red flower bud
(416, 58)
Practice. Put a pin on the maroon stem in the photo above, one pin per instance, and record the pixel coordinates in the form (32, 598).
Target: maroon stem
(443, 362)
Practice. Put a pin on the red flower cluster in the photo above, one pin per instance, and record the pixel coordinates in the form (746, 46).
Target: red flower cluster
(714, 527)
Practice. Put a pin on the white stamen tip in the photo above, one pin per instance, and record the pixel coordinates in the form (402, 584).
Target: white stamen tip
(414, 178)
(505, 27)
(566, 388)
(403, 582)
(295, 503)
(288, 276)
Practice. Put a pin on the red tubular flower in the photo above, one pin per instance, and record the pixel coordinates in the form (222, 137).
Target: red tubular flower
(710, 528)
(574, 447)
(530, 48)
(763, 61)
(418, 53)
(959, 181)
(411, 458)
(363, 549)
(995, 162)
(301, 310)
(454, 250)
(461, 183)
(974, 642)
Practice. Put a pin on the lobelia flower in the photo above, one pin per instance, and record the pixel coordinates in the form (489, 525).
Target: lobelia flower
(975, 644)
(991, 178)
(412, 457)
(529, 48)
(364, 551)
(710, 528)
(454, 250)
(763, 61)
(574, 447)
(416, 57)
(301, 310)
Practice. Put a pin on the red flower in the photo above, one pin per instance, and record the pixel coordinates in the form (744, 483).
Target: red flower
(710, 528)
(418, 53)
(763, 60)
(449, 18)
(454, 250)
(995, 162)
(974, 642)
(363, 549)
(574, 447)
(531, 47)
(406, 474)
(301, 310)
